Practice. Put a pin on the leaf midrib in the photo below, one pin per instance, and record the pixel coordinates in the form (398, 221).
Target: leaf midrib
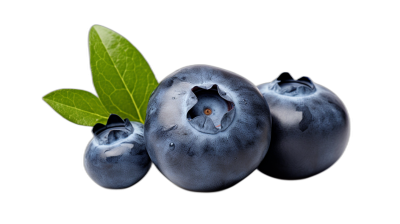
(46, 99)
(119, 74)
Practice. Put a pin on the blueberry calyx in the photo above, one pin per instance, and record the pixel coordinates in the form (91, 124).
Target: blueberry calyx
(286, 85)
(115, 129)
(211, 109)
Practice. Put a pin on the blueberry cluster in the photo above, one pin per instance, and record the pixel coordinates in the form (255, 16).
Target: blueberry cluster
(207, 129)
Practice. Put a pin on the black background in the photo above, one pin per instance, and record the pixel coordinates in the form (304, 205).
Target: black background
(329, 50)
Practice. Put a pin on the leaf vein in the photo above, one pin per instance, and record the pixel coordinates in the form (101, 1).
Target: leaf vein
(123, 81)
(75, 108)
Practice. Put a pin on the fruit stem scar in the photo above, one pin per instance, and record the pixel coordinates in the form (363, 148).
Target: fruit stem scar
(207, 111)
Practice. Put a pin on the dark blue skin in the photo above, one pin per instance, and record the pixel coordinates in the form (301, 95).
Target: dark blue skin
(206, 128)
(310, 128)
(116, 157)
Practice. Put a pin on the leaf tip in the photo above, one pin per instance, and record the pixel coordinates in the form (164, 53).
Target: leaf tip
(97, 28)
(46, 97)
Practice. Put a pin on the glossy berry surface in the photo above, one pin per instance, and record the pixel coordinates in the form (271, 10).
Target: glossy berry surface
(310, 128)
(116, 157)
(206, 128)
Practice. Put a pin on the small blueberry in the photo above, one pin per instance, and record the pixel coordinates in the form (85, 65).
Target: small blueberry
(116, 157)
(310, 128)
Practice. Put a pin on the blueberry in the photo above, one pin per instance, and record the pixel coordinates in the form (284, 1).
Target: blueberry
(116, 157)
(310, 128)
(206, 128)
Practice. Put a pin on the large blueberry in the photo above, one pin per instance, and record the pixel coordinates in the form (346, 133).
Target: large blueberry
(116, 157)
(310, 128)
(206, 128)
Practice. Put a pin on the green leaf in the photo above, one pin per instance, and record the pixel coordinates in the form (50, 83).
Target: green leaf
(122, 77)
(78, 106)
